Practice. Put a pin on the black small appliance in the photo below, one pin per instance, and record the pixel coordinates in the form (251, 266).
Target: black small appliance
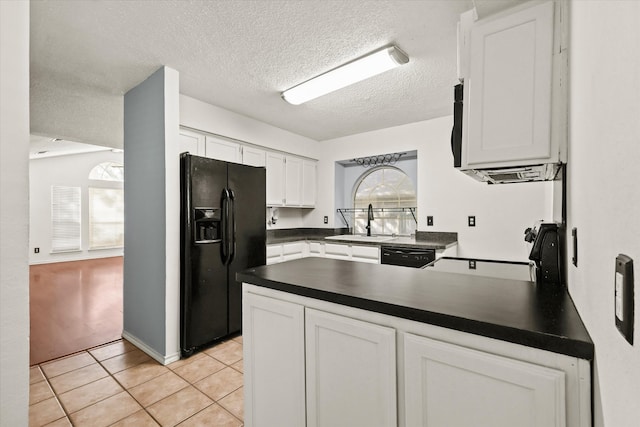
(456, 132)
(546, 252)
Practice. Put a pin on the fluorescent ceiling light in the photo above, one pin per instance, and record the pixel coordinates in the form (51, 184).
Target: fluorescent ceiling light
(352, 72)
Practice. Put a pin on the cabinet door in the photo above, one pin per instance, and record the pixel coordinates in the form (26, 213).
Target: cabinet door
(294, 250)
(275, 179)
(253, 156)
(274, 384)
(369, 254)
(316, 249)
(309, 173)
(337, 251)
(450, 385)
(508, 91)
(274, 254)
(351, 372)
(222, 149)
(191, 142)
(293, 181)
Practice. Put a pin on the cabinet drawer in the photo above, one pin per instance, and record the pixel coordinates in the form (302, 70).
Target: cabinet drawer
(366, 253)
(292, 250)
(332, 250)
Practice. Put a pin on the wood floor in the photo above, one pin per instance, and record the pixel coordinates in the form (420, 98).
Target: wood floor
(74, 306)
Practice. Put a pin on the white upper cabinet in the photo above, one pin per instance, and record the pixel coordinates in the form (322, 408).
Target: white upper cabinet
(191, 142)
(223, 149)
(293, 181)
(275, 179)
(253, 156)
(309, 182)
(513, 80)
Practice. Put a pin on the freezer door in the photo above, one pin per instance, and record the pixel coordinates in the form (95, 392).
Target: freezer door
(248, 185)
(203, 276)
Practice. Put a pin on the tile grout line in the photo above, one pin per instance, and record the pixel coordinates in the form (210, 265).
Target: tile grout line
(112, 375)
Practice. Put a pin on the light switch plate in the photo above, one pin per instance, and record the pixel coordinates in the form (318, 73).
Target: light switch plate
(623, 296)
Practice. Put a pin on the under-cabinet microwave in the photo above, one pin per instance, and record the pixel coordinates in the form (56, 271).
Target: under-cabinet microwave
(503, 175)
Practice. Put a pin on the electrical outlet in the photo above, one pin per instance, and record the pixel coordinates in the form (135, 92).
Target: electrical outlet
(472, 221)
(326, 219)
(472, 264)
(36, 250)
(429, 220)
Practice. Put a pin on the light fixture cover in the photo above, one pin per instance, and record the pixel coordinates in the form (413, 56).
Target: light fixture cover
(352, 72)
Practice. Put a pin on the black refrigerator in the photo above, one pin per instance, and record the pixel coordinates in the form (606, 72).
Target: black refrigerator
(223, 207)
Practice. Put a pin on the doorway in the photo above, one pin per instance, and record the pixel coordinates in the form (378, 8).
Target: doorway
(76, 247)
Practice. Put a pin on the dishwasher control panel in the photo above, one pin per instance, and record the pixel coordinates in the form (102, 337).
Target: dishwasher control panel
(407, 257)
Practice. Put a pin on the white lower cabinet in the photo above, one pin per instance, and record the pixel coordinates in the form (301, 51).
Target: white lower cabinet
(302, 249)
(273, 340)
(274, 254)
(351, 375)
(370, 254)
(316, 249)
(336, 251)
(294, 250)
(312, 363)
(454, 386)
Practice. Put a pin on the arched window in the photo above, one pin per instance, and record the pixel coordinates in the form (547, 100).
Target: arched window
(388, 190)
(106, 206)
(108, 171)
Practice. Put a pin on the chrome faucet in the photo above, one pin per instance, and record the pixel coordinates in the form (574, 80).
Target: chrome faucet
(369, 218)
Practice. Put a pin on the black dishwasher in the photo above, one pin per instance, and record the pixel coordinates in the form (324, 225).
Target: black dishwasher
(407, 257)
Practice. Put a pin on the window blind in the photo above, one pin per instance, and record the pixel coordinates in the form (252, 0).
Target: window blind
(65, 218)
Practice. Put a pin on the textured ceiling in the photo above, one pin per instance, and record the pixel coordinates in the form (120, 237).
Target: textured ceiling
(240, 55)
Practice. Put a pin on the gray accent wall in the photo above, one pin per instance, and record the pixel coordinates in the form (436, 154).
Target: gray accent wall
(145, 213)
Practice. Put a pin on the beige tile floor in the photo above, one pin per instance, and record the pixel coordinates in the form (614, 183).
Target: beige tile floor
(119, 385)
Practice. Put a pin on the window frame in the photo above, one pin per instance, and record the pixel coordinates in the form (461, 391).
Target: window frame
(406, 224)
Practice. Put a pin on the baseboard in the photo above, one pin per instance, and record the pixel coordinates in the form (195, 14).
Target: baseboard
(72, 259)
(165, 360)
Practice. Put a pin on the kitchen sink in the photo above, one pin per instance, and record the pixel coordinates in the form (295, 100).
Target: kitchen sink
(360, 238)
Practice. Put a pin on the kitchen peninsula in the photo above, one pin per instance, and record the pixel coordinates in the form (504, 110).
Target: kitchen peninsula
(331, 342)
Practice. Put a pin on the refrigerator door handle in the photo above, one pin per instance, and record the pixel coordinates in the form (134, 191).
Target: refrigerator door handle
(225, 227)
(232, 241)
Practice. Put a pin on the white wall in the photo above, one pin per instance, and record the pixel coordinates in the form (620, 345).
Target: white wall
(604, 190)
(73, 171)
(502, 211)
(14, 213)
(209, 118)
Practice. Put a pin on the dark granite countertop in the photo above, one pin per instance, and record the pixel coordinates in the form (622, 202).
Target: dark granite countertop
(508, 310)
(423, 239)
